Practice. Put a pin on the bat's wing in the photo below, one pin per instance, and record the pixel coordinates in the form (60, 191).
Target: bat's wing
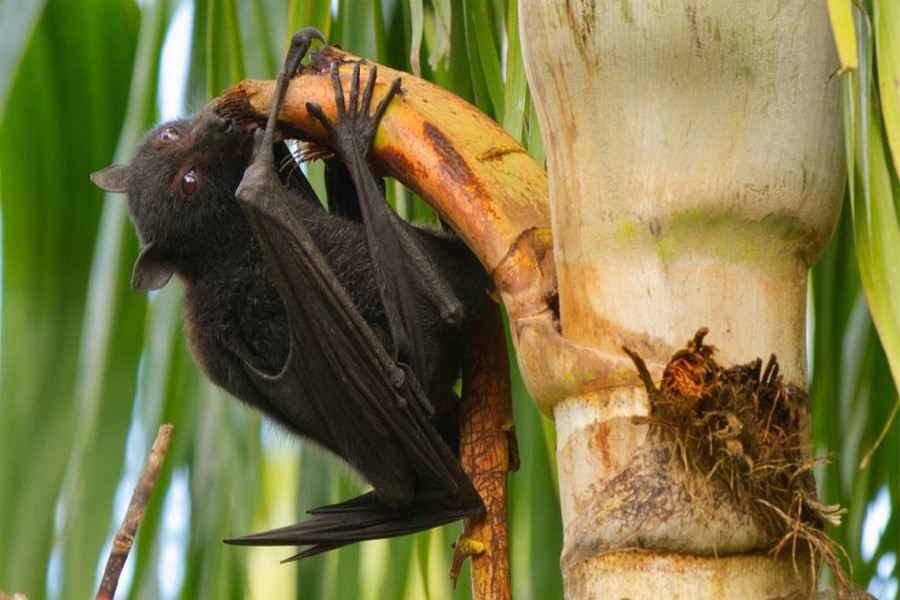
(370, 518)
(340, 387)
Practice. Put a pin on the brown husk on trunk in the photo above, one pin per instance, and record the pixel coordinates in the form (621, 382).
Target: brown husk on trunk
(743, 426)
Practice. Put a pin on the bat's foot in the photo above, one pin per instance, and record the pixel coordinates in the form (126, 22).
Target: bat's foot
(355, 129)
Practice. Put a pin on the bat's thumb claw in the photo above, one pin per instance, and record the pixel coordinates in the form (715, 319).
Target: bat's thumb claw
(308, 34)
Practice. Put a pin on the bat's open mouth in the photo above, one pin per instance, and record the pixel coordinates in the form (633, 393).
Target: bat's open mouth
(245, 128)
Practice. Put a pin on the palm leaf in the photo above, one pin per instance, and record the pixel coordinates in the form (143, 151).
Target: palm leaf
(89, 368)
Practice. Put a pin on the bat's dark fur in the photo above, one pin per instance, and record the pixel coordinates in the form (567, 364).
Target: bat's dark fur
(181, 192)
(230, 300)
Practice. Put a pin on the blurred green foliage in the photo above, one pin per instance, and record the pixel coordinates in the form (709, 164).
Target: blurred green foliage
(88, 369)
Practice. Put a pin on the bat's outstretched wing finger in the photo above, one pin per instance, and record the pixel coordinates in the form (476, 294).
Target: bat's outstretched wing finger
(359, 519)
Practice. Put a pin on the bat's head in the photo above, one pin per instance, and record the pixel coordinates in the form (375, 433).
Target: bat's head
(180, 188)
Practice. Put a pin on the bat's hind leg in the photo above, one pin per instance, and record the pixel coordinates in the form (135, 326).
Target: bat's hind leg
(391, 240)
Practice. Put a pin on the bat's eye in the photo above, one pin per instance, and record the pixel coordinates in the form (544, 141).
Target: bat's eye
(228, 125)
(189, 182)
(169, 134)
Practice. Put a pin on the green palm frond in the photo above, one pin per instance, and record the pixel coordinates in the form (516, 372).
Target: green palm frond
(88, 369)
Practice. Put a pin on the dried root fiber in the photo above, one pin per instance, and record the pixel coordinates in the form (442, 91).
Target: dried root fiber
(742, 426)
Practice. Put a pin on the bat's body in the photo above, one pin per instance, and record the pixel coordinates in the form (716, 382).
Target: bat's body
(233, 303)
(328, 322)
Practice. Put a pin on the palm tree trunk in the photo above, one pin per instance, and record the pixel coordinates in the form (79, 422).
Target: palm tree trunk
(695, 166)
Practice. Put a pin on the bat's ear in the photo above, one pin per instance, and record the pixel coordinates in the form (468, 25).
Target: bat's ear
(111, 179)
(152, 270)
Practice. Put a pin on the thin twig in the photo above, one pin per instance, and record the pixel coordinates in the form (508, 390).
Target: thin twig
(124, 539)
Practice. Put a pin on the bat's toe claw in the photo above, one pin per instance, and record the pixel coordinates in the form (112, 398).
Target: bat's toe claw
(464, 547)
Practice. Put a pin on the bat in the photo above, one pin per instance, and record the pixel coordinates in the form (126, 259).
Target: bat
(345, 325)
